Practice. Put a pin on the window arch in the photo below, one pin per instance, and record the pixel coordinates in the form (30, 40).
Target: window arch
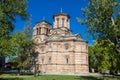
(67, 46)
(43, 60)
(57, 22)
(47, 31)
(37, 40)
(42, 48)
(37, 31)
(63, 22)
(49, 60)
(67, 59)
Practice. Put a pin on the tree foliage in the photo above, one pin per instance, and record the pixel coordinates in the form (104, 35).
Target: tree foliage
(23, 48)
(28, 30)
(103, 56)
(5, 46)
(102, 18)
(9, 9)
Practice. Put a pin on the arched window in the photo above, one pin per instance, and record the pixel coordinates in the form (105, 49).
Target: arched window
(47, 31)
(49, 60)
(67, 46)
(42, 60)
(42, 48)
(37, 40)
(57, 22)
(67, 59)
(63, 22)
(39, 30)
(67, 20)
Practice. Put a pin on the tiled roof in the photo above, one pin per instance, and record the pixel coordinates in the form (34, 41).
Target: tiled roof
(44, 21)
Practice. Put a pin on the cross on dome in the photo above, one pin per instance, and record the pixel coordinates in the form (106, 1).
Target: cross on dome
(60, 10)
(43, 17)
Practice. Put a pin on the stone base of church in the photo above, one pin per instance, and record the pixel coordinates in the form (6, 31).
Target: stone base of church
(63, 69)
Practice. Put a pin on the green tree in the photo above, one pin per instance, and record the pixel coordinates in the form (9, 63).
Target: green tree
(31, 47)
(102, 18)
(23, 48)
(5, 46)
(103, 56)
(28, 29)
(9, 9)
(92, 58)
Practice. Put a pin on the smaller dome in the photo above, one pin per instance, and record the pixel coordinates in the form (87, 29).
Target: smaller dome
(61, 14)
(43, 22)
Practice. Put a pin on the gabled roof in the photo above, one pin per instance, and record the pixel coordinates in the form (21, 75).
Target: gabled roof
(59, 34)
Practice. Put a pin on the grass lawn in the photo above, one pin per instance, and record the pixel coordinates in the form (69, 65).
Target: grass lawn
(52, 77)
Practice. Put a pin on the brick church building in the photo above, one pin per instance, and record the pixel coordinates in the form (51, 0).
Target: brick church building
(60, 51)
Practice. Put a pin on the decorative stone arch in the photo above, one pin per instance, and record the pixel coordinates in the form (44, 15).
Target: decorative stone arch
(67, 59)
(49, 59)
(42, 60)
(37, 40)
(42, 48)
(67, 46)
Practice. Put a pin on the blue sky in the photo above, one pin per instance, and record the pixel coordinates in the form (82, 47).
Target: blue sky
(47, 8)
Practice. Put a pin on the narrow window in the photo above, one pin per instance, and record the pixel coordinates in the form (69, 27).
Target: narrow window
(42, 60)
(67, 20)
(57, 22)
(37, 40)
(62, 22)
(39, 30)
(42, 48)
(67, 60)
(49, 60)
(47, 31)
(66, 46)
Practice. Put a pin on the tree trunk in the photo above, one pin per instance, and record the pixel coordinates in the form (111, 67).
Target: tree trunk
(18, 72)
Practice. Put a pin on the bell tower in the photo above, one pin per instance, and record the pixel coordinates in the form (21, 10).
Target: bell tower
(41, 30)
(61, 20)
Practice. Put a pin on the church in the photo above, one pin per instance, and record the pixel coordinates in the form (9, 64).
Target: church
(59, 50)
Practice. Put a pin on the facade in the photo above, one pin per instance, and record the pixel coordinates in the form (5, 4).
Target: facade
(60, 51)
